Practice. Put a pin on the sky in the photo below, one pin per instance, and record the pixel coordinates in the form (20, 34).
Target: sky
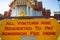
(53, 5)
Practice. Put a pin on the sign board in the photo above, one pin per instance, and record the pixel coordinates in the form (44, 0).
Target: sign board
(30, 29)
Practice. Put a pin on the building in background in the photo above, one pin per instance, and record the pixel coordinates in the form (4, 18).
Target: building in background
(7, 13)
(46, 13)
(57, 15)
(28, 8)
(1, 15)
(22, 7)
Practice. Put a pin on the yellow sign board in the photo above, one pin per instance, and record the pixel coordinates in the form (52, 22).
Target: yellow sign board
(30, 29)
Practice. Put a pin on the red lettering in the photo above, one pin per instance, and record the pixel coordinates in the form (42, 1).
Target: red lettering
(48, 27)
(37, 28)
(18, 28)
(34, 33)
(27, 23)
(14, 33)
(49, 33)
(9, 23)
(46, 22)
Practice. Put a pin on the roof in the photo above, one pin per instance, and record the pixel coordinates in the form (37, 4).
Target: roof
(12, 3)
(15, 1)
(38, 6)
(7, 13)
